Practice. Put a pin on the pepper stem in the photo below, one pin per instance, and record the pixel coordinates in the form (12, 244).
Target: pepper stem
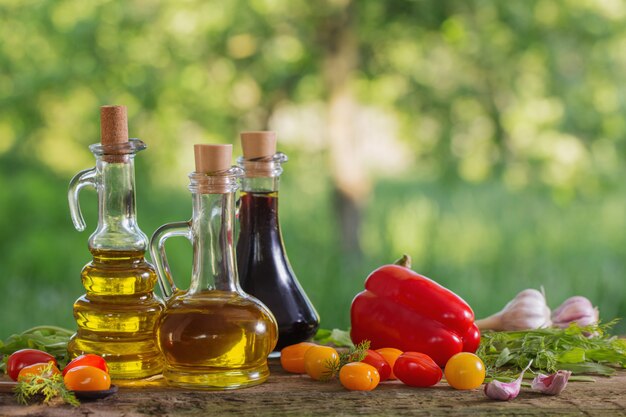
(405, 261)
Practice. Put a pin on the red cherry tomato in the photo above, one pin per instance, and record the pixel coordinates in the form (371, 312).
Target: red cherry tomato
(417, 370)
(377, 361)
(87, 360)
(26, 357)
(87, 378)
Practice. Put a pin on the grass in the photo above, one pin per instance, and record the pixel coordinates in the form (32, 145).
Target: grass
(484, 242)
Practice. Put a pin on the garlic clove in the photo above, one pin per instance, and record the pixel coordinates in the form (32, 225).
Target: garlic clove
(575, 309)
(502, 391)
(528, 310)
(505, 391)
(551, 384)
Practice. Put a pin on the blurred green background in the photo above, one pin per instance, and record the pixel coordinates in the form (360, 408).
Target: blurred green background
(486, 139)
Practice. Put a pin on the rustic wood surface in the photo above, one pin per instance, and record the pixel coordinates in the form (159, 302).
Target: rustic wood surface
(295, 395)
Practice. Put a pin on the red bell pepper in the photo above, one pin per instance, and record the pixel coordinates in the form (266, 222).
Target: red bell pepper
(405, 310)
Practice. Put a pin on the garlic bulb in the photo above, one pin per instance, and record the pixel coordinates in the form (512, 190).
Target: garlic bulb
(528, 310)
(575, 309)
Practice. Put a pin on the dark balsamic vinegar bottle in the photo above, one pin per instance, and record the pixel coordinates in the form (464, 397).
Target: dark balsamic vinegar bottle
(264, 269)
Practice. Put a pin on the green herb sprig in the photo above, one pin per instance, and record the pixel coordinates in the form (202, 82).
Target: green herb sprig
(355, 354)
(588, 350)
(48, 385)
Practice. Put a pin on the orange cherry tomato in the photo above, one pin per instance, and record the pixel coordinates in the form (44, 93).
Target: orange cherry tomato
(316, 360)
(359, 376)
(465, 371)
(292, 357)
(88, 359)
(390, 355)
(36, 370)
(87, 378)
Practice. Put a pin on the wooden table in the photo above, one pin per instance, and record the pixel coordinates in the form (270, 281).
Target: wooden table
(295, 395)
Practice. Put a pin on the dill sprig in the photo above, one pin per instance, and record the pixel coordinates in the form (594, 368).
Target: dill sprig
(587, 350)
(48, 385)
(355, 354)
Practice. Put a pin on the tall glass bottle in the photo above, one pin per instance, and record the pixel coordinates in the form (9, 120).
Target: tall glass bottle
(263, 265)
(117, 316)
(213, 335)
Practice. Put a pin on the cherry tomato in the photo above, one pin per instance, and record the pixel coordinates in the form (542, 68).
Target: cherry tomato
(36, 370)
(390, 355)
(417, 370)
(316, 360)
(25, 357)
(292, 357)
(378, 361)
(359, 376)
(465, 371)
(88, 359)
(87, 378)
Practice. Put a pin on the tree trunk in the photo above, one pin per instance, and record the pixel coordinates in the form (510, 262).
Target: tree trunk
(351, 184)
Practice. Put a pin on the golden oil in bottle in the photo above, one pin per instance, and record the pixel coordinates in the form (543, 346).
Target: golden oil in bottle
(117, 316)
(216, 339)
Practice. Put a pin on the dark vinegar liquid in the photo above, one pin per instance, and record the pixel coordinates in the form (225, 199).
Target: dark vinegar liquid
(265, 272)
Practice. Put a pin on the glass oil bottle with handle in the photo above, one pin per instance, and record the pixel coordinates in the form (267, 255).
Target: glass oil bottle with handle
(212, 335)
(264, 268)
(117, 316)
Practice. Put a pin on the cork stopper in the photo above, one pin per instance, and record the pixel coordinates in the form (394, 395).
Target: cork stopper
(113, 125)
(258, 144)
(212, 158)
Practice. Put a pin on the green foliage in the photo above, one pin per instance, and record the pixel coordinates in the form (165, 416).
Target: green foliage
(510, 115)
(582, 350)
(50, 339)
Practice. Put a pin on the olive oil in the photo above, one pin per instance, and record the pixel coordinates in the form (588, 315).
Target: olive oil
(213, 336)
(117, 316)
(213, 332)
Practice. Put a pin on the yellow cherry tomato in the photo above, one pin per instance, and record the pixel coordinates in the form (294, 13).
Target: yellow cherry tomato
(317, 359)
(34, 371)
(465, 371)
(390, 355)
(359, 376)
(292, 357)
(87, 378)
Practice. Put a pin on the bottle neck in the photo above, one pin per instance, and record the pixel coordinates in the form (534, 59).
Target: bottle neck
(213, 254)
(260, 184)
(117, 218)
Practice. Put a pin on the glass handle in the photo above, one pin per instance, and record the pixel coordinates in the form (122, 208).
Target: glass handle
(159, 257)
(82, 179)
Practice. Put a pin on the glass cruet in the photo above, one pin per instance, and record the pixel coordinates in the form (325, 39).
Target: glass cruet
(264, 269)
(212, 335)
(116, 318)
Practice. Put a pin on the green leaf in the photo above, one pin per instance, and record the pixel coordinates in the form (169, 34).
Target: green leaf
(337, 337)
(576, 355)
(504, 357)
(588, 368)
